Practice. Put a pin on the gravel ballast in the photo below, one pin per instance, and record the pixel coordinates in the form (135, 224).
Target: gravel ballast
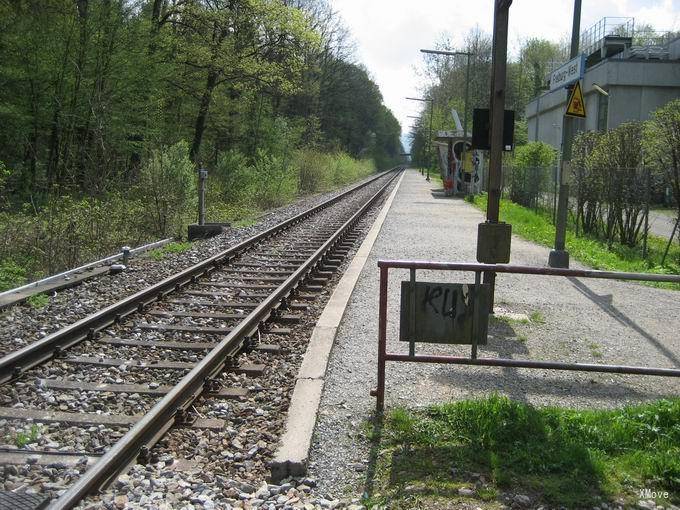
(213, 459)
(22, 324)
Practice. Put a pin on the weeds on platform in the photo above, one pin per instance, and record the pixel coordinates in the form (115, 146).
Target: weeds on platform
(538, 227)
(556, 456)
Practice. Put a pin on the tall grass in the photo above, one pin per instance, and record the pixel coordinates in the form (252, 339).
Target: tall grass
(562, 457)
(537, 226)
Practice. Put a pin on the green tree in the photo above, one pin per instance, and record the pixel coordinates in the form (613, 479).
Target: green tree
(531, 164)
(618, 156)
(662, 143)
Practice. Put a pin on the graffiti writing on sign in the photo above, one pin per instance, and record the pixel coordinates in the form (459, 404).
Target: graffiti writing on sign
(442, 312)
(447, 305)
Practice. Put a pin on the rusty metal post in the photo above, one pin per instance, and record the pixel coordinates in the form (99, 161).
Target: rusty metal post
(382, 341)
(499, 64)
(412, 318)
(202, 177)
(475, 316)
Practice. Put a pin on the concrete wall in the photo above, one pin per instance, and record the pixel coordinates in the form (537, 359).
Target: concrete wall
(636, 88)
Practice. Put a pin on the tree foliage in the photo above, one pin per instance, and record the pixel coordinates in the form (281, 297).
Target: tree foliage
(526, 172)
(662, 143)
(109, 106)
(526, 78)
(91, 89)
(611, 182)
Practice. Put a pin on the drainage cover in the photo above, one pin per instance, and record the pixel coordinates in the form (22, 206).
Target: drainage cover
(22, 501)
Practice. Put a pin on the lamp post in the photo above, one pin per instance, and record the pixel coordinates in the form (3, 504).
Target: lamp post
(429, 146)
(467, 91)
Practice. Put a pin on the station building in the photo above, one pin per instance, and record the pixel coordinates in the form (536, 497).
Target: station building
(639, 74)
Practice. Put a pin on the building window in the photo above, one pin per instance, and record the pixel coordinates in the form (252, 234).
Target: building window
(602, 110)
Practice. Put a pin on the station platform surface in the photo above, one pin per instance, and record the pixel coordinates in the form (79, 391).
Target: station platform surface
(572, 319)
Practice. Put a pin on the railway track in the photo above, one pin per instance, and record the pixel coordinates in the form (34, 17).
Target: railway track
(110, 386)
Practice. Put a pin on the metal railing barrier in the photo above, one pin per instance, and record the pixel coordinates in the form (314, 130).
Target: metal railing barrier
(479, 320)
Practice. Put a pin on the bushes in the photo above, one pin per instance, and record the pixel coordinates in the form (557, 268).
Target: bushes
(611, 183)
(617, 157)
(662, 143)
(167, 185)
(315, 170)
(318, 171)
(66, 231)
(272, 180)
(528, 172)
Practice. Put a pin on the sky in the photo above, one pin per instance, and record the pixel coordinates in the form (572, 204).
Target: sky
(388, 34)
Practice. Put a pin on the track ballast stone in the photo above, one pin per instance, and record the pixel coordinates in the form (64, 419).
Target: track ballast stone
(22, 324)
(240, 452)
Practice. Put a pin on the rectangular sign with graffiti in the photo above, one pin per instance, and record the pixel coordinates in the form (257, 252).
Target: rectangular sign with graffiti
(448, 313)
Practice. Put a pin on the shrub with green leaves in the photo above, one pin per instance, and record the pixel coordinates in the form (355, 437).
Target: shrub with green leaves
(11, 275)
(167, 184)
(531, 165)
(662, 143)
(618, 157)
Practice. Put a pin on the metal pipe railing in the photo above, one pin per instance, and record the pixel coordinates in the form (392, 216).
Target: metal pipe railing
(478, 269)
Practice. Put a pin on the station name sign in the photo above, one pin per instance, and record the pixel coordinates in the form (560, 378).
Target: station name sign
(568, 73)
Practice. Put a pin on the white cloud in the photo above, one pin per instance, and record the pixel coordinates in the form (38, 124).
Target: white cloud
(389, 33)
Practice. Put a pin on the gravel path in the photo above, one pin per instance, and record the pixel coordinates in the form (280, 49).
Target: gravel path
(661, 224)
(595, 321)
(22, 324)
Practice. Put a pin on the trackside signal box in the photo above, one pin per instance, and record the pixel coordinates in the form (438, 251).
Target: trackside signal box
(481, 129)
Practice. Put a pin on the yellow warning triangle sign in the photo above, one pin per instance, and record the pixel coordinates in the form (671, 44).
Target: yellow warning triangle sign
(576, 107)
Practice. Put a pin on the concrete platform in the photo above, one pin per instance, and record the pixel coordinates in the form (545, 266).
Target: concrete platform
(595, 321)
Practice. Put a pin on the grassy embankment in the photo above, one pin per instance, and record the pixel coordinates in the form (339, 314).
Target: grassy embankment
(69, 230)
(537, 227)
(555, 456)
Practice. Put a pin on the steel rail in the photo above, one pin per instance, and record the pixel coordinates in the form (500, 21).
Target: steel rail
(154, 423)
(15, 363)
(89, 265)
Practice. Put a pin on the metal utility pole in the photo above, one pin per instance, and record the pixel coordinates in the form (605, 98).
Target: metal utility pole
(429, 146)
(559, 256)
(498, 78)
(467, 92)
(493, 237)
